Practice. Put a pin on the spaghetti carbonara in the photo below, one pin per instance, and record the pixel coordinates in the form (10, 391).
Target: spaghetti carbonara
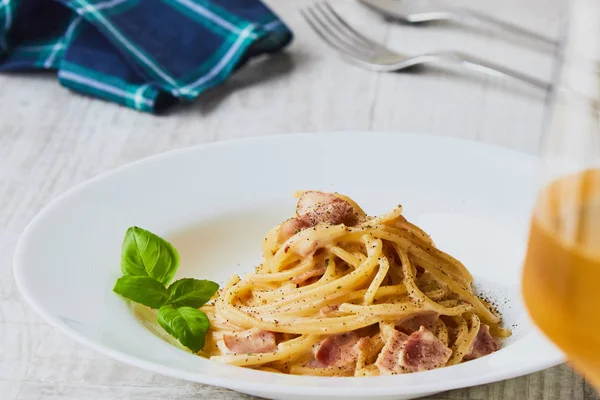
(340, 293)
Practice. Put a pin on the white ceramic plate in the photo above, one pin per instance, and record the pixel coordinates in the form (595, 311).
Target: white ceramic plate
(215, 203)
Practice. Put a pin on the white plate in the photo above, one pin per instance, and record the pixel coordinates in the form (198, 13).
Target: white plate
(215, 203)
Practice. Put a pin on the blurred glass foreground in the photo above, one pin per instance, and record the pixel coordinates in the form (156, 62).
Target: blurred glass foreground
(561, 280)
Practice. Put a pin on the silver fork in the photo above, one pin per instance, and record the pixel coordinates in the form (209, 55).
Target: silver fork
(423, 11)
(362, 51)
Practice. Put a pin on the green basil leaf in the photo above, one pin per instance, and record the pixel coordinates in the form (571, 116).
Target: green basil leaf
(187, 324)
(143, 290)
(191, 292)
(146, 254)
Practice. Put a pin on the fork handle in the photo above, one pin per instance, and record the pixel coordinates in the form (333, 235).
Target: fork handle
(501, 25)
(476, 64)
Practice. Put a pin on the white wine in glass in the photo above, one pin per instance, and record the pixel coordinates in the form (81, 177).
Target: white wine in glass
(561, 278)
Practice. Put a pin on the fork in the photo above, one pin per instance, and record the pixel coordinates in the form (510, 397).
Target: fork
(423, 11)
(363, 52)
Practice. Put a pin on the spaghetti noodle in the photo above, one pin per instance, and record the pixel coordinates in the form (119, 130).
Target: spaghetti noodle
(340, 293)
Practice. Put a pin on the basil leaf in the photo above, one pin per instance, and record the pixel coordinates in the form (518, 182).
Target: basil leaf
(146, 254)
(191, 292)
(143, 290)
(187, 324)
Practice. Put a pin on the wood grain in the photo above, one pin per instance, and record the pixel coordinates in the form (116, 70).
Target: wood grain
(52, 139)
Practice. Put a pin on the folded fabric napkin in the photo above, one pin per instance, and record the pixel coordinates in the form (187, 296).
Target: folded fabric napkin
(145, 54)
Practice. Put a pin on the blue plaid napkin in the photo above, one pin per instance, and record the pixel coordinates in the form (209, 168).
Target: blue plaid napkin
(145, 54)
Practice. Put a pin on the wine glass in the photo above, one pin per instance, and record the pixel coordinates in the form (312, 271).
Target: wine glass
(561, 277)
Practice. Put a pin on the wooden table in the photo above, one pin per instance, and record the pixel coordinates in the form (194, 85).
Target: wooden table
(51, 139)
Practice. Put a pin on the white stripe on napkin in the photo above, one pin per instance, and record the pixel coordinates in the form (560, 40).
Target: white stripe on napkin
(7, 22)
(271, 25)
(99, 6)
(221, 64)
(71, 76)
(198, 9)
(60, 45)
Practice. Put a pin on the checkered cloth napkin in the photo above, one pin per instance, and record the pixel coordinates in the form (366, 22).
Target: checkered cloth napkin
(144, 54)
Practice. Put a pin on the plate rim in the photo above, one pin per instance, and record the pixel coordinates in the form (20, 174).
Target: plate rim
(248, 385)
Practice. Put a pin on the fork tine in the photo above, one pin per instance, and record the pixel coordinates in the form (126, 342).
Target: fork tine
(348, 36)
(308, 15)
(330, 37)
(333, 32)
(357, 35)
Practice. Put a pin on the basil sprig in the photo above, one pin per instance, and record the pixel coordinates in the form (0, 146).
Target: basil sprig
(187, 324)
(148, 264)
(191, 292)
(143, 290)
(145, 254)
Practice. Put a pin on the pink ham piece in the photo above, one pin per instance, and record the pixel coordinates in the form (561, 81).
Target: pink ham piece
(251, 341)
(290, 227)
(483, 344)
(337, 351)
(314, 208)
(421, 351)
(311, 273)
(318, 207)
(388, 360)
(412, 324)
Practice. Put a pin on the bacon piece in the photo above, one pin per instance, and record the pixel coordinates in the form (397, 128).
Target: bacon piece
(317, 207)
(428, 319)
(423, 351)
(336, 351)
(317, 270)
(364, 351)
(388, 360)
(483, 344)
(290, 227)
(251, 341)
(420, 351)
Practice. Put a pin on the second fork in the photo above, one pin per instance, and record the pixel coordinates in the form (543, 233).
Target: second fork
(364, 52)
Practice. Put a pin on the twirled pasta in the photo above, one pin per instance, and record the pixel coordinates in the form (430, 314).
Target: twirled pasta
(372, 283)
